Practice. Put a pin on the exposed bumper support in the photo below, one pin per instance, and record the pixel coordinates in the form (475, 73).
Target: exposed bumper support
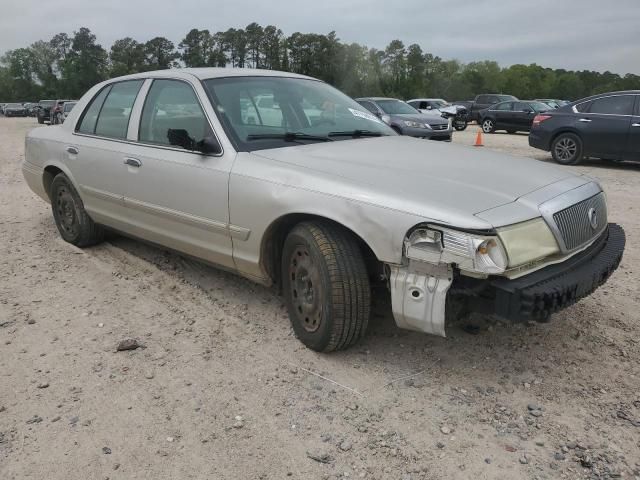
(418, 296)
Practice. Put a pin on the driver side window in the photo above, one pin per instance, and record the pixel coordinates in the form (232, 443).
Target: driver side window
(172, 105)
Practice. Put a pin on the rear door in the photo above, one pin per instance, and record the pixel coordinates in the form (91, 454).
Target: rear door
(503, 113)
(633, 143)
(98, 145)
(522, 116)
(605, 124)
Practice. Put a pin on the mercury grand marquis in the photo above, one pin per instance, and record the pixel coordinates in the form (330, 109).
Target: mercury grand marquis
(286, 181)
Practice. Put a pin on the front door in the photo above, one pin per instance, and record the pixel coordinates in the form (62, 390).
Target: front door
(178, 197)
(605, 126)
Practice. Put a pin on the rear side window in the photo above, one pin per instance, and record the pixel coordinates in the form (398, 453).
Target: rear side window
(172, 105)
(583, 107)
(483, 99)
(113, 119)
(504, 106)
(88, 123)
(618, 105)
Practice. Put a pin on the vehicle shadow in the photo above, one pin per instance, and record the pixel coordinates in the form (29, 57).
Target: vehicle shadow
(480, 347)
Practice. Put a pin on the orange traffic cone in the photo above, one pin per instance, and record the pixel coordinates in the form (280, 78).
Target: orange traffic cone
(479, 139)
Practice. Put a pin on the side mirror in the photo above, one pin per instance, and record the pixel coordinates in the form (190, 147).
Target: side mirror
(209, 145)
(179, 137)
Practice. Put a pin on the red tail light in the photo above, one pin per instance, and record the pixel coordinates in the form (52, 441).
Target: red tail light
(538, 119)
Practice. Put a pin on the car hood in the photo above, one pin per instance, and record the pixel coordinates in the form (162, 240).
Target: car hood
(441, 182)
(421, 118)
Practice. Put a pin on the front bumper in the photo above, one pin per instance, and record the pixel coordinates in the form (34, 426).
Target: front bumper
(538, 295)
(428, 134)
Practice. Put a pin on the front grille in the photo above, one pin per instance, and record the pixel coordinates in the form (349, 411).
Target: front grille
(574, 222)
(439, 126)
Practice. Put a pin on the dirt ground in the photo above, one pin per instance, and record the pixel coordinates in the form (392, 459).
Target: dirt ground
(223, 390)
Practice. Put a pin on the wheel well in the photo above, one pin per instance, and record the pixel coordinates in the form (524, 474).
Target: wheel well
(566, 130)
(276, 233)
(50, 173)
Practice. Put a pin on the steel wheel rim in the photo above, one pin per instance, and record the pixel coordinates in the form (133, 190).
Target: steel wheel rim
(66, 210)
(487, 126)
(306, 289)
(566, 149)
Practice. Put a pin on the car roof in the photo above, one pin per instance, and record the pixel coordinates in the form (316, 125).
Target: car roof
(375, 99)
(212, 72)
(427, 100)
(606, 94)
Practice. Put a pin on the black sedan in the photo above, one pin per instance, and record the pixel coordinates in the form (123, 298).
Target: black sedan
(511, 116)
(603, 126)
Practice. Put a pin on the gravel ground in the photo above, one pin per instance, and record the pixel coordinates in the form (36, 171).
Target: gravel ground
(221, 389)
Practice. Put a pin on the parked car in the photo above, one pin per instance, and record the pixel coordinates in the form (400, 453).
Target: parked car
(511, 116)
(457, 113)
(484, 101)
(66, 110)
(43, 114)
(406, 120)
(324, 210)
(55, 115)
(14, 110)
(2, 105)
(605, 126)
(31, 109)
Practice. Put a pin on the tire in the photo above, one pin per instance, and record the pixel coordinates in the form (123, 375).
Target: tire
(325, 285)
(566, 149)
(460, 125)
(73, 222)
(488, 125)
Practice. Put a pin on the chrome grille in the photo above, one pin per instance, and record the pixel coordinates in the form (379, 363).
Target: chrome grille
(574, 222)
(439, 126)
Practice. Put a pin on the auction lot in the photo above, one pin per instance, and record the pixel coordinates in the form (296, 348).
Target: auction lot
(223, 390)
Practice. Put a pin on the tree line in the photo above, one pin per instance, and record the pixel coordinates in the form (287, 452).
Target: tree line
(68, 65)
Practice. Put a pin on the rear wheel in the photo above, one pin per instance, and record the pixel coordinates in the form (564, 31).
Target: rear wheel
(326, 286)
(488, 125)
(73, 222)
(566, 149)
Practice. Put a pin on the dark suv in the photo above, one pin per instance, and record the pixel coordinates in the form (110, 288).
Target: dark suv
(603, 126)
(44, 110)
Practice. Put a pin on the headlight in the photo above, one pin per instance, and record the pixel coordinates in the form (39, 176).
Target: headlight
(411, 124)
(474, 253)
(528, 241)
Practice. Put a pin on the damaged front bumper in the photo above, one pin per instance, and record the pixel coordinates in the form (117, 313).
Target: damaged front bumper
(419, 290)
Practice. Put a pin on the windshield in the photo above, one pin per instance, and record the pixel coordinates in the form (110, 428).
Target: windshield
(269, 112)
(396, 107)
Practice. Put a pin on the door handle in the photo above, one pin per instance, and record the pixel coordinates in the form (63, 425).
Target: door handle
(72, 150)
(635, 124)
(586, 120)
(132, 162)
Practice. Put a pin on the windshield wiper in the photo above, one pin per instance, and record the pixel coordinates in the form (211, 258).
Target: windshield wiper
(356, 134)
(288, 137)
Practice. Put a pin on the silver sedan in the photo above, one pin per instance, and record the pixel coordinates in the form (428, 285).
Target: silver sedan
(288, 182)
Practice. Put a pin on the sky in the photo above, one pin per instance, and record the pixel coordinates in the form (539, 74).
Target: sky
(571, 34)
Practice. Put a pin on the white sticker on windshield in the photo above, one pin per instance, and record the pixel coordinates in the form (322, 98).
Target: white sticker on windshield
(365, 115)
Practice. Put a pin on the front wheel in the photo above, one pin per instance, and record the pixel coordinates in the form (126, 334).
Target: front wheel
(488, 126)
(460, 125)
(73, 222)
(566, 149)
(326, 286)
